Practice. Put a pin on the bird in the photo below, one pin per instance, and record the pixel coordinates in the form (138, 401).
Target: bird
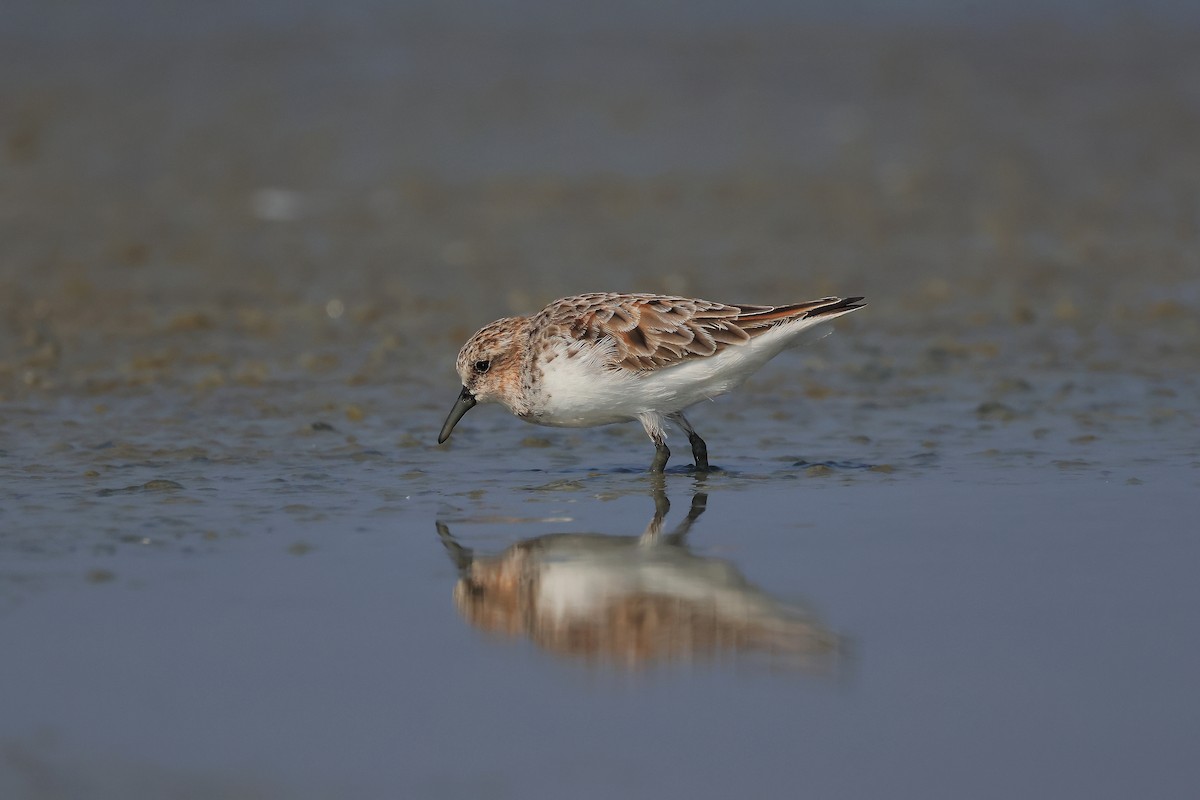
(609, 357)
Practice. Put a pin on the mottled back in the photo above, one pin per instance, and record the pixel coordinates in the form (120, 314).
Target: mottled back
(651, 331)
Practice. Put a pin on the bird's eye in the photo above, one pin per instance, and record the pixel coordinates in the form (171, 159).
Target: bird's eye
(482, 366)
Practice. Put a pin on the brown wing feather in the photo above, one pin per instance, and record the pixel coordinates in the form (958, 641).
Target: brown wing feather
(651, 331)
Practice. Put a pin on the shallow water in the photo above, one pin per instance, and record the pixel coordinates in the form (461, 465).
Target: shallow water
(949, 549)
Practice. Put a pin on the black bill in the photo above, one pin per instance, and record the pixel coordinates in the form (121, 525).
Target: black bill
(465, 402)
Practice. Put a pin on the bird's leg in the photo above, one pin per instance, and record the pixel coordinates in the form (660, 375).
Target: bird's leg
(653, 425)
(699, 451)
(699, 448)
(661, 453)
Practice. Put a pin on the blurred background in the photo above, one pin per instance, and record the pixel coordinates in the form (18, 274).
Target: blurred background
(242, 241)
(207, 192)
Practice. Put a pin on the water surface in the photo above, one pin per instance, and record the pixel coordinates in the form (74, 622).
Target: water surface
(949, 551)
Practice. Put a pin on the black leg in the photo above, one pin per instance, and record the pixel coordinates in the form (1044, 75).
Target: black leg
(661, 454)
(699, 451)
(699, 448)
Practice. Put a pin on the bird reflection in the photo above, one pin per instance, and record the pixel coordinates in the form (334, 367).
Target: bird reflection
(634, 601)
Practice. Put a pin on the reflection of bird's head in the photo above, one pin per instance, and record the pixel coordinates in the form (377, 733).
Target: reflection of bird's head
(493, 593)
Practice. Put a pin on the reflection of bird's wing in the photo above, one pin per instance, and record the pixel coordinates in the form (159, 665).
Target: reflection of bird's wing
(647, 604)
(651, 331)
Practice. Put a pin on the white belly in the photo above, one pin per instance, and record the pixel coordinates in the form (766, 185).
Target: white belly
(581, 392)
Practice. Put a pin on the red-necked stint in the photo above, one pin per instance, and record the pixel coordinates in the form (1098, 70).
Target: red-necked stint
(596, 359)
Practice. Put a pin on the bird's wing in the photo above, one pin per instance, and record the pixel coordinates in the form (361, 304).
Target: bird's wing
(651, 331)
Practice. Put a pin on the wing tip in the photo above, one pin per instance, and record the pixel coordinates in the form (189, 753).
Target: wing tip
(837, 305)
